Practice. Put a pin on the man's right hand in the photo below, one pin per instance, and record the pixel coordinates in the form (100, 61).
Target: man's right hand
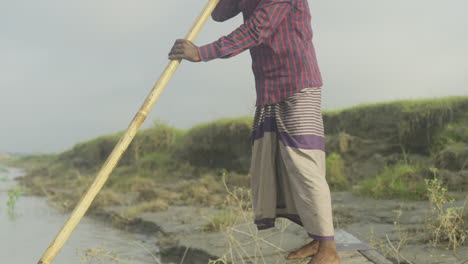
(184, 50)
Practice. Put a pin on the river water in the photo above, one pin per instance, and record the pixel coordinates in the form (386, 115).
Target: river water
(26, 234)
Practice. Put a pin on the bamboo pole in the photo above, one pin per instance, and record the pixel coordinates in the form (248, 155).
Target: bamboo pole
(123, 144)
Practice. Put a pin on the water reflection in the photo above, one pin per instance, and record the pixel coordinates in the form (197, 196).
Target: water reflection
(25, 236)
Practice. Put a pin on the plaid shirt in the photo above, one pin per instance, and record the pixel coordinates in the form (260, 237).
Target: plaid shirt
(279, 36)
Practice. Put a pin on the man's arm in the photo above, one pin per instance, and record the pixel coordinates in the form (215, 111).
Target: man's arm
(259, 27)
(225, 10)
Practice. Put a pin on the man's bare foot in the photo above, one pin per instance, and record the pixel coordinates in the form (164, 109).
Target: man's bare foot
(327, 254)
(306, 251)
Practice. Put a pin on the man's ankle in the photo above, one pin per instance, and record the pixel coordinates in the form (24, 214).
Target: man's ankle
(328, 245)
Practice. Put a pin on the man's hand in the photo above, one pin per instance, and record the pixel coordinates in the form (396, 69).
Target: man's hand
(184, 50)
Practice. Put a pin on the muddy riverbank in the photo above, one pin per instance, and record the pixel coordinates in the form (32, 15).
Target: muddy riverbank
(179, 232)
(180, 229)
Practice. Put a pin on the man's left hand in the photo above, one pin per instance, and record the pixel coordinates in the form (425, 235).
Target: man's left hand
(184, 50)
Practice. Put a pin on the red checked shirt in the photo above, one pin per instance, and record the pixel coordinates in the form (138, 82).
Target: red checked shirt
(279, 36)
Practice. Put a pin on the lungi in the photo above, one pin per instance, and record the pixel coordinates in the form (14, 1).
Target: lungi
(288, 165)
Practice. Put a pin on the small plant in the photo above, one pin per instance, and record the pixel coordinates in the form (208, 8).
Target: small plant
(389, 248)
(237, 200)
(445, 222)
(402, 240)
(13, 196)
(336, 177)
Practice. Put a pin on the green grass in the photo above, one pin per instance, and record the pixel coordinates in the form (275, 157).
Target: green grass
(416, 105)
(163, 151)
(454, 132)
(13, 196)
(336, 177)
(414, 124)
(3, 170)
(453, 156)
(222, 144)
(400, 181)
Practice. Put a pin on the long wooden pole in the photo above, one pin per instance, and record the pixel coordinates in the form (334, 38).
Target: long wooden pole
(123, 144)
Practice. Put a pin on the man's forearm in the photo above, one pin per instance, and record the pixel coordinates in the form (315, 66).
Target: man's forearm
(259, 27)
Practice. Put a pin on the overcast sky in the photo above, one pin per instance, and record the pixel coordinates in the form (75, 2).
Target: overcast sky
(74, 70)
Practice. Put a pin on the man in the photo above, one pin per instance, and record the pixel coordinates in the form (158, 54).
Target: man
(288, 158)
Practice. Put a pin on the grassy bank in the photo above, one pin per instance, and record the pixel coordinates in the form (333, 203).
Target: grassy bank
(165, 166)
(415, 124)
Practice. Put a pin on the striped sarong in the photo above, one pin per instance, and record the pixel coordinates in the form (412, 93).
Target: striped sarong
(288, 165)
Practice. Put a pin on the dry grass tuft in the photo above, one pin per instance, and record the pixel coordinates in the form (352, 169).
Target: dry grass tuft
(445, 222)
(244, 243)
(148, 206)
(101, 255)
(106, 197)
(136, 184)
(389, 248)
(220, 222)
(104, 255)
(205, 192)
(166, 240)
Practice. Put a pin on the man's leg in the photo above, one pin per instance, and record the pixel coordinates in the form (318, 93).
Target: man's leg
(305, 170)
(302, 153)
(263, 170)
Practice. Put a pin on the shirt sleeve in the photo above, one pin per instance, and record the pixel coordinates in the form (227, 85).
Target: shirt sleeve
(225, 10)
(259, 27)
